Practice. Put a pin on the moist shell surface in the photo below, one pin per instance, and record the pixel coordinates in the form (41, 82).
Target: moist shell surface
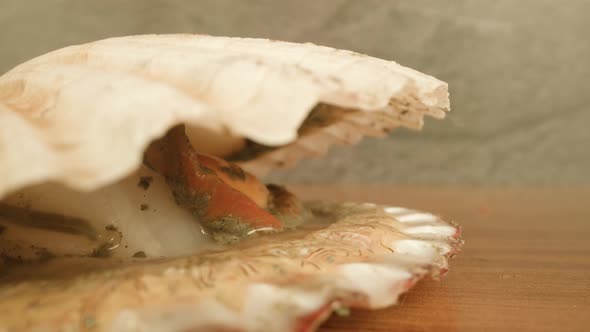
(349, 255)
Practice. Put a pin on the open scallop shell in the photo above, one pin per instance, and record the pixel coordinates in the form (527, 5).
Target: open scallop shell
(82, 117)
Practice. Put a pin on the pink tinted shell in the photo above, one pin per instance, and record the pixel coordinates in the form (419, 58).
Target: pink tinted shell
(83, 115)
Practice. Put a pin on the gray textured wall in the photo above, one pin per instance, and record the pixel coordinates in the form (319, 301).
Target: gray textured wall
(518, 71)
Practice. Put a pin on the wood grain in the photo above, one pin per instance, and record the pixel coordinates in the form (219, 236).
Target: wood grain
(525, 265)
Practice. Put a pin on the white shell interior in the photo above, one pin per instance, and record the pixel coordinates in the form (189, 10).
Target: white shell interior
(148, 219)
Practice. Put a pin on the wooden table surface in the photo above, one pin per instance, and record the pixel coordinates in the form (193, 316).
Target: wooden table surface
(525, 265)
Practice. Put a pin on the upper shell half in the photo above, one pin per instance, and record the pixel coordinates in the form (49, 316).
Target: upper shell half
(83, 115)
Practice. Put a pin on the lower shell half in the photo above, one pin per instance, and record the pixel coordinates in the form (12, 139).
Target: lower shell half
(349, 256)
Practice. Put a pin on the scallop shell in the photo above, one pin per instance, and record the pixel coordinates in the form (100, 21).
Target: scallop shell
(365, 258)
(83, 115)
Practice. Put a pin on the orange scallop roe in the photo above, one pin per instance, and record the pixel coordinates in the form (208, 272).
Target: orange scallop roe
(209, 187)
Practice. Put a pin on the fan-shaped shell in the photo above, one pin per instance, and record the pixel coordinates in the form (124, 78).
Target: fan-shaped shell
(82, 115)
(366, 258)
